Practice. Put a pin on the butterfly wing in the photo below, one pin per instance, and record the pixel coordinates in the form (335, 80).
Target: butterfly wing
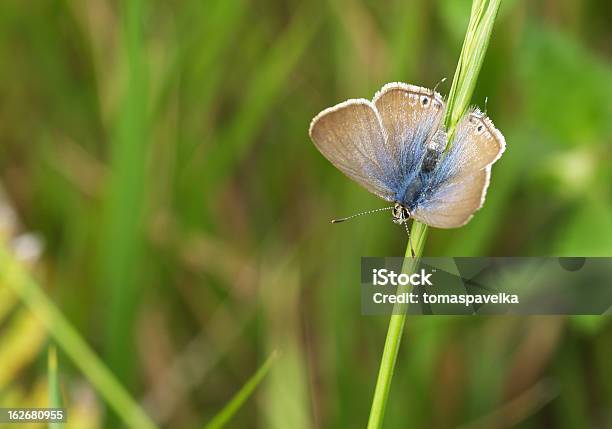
(380, 144)
(351, 136)
(459, 184)
(410, 115)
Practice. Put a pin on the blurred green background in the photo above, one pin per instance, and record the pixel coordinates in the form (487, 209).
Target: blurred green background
(156, 157)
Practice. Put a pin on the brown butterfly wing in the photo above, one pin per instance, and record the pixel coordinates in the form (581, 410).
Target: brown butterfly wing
(351, 136)
(477, 144)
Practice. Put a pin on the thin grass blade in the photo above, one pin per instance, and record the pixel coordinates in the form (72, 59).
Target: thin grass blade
(55, 392)
(232, 407)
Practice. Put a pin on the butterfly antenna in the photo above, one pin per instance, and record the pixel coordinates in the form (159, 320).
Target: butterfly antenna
(342, 219)
(439, 83)
(409, 239)
(486, 104)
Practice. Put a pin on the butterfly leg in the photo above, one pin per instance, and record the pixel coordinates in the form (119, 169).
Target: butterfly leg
(409, 239)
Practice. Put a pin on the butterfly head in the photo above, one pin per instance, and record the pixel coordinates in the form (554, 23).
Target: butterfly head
(400, 214)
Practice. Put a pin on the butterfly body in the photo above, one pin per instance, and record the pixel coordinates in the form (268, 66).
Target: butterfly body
(397, 148)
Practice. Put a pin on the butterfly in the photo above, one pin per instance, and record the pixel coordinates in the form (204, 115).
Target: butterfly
(395, 146)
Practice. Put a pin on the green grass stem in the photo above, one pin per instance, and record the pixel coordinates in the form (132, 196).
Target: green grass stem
(475, 44)
(397, 321)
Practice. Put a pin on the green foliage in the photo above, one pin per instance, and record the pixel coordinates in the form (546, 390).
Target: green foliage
(13, 276)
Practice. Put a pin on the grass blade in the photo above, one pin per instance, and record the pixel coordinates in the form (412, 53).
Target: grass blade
(55, 393)
(121, 247)
(472, 56)
(470, 61)
(243, 394)
(394, 334)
